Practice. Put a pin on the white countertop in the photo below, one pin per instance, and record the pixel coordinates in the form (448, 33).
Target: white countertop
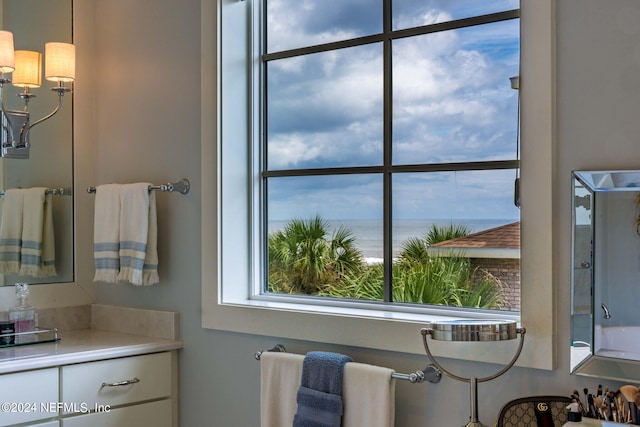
(80, 346)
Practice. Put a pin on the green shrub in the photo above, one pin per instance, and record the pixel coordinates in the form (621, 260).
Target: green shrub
(441, 233)
(304, 259)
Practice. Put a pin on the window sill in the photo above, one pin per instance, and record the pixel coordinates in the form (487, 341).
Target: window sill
(349, 326)
(364, 310)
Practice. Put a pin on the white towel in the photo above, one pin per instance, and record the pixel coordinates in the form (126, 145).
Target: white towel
(138, 231)
(368, 392)
(38, 246)
(280, 375)
(368, 396)
(125, 234)
(11, 232)
(106, 233)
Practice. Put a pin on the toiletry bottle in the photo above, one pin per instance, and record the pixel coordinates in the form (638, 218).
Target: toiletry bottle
(574, 417)
(23, 315)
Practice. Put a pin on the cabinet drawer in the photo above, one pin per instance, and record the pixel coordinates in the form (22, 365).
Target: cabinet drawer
(156, 414)
(28, 395)
(117, 381)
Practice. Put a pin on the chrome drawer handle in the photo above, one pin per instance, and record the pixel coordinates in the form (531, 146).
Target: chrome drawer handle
(120, 383)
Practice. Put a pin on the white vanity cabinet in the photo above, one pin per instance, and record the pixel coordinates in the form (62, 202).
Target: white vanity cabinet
(103, 385)
(156, 414)
(132, 391)
(25, 396)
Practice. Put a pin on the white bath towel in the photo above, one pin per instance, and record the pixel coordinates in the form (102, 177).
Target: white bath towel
(368, 395)
(11, 232)
(106, 233)
(280, 375)
(125, 234)
(138, 235)
(368, 392)
(38, 246)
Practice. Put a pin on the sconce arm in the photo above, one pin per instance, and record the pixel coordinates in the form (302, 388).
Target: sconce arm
(4, 117)
(48, 116)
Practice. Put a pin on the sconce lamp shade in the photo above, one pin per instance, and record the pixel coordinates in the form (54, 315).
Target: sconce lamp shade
(28, 72)
(7, 59)
(60, 62)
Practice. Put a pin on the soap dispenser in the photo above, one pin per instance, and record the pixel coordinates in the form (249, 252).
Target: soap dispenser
(574, 416)
(23, 315)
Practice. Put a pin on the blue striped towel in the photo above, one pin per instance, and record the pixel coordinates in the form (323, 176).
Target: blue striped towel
(37, 256)
(138, 256)
(27, 244)
(11, 232)
(125, 234)
(106, 233)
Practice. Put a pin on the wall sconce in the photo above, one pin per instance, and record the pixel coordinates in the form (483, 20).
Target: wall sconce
(477, 331)
(26, 66)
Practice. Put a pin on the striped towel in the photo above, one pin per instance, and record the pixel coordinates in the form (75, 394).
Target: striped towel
(38, 246)
(106, 233)
(27, 244)
(11, 232)
(138, 231)
(125, 234)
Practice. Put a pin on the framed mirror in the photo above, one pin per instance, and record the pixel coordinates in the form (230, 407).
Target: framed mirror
(50, 162)
(605, 274)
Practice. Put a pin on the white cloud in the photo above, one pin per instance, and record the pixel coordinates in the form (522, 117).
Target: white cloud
(297, 23)
(291, 149)
(447, 107)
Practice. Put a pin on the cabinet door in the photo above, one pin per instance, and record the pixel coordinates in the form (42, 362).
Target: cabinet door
(156, 414)
(29, 396)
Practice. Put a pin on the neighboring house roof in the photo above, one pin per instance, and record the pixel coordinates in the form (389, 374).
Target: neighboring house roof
(498, 242)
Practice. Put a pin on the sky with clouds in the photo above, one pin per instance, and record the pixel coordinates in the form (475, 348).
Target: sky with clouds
(452, 102)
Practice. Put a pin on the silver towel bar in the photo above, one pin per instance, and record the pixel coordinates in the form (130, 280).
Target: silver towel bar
(180, 187)
(55, 191)
(430, 373)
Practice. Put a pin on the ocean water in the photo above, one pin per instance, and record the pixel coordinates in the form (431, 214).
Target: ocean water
(368, 233)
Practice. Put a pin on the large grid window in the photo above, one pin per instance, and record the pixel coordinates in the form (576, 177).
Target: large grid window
(390, 128)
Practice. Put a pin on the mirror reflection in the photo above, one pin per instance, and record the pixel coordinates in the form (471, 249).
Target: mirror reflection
(50, 163)
(606, 266)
